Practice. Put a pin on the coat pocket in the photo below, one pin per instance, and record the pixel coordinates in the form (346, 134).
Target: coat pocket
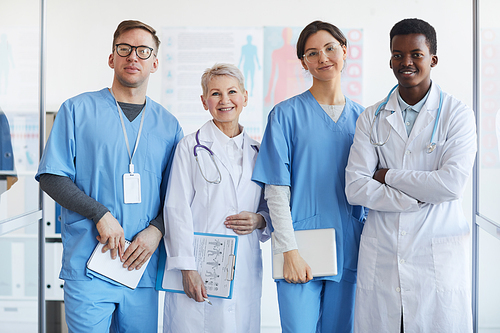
(451, 263)
(352, 234)
(367, 262)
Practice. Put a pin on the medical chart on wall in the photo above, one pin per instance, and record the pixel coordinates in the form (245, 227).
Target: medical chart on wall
(187, 52)
(284, 76)
(352, 76)
(267, 58)
(490, 98)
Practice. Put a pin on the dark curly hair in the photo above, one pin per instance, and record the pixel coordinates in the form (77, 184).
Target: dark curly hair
(416, 26)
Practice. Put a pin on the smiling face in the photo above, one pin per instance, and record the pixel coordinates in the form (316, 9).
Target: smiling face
(325, 68)
(225, 101)
(131, 71)
(411, 62)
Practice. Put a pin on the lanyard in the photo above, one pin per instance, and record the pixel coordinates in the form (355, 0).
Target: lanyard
(130, 166)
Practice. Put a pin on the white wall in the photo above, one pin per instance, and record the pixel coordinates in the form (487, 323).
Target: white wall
(79, 36)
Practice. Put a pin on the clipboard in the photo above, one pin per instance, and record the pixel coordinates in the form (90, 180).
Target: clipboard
(101, 263)
(317, 247)
(215, 256)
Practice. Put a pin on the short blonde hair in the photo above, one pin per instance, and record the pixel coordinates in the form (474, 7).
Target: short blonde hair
(221, 69)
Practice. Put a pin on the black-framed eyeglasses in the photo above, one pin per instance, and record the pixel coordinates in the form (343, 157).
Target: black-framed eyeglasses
(143, 52)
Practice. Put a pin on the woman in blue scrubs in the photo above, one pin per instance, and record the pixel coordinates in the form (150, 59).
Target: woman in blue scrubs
(301, 165)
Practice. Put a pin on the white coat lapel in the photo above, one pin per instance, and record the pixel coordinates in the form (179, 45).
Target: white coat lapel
(425, 118)
(427, 115)
(249, 157)
(396, 119)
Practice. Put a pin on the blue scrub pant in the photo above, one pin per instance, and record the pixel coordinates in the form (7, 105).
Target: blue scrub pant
(318, 306)
(98, 306)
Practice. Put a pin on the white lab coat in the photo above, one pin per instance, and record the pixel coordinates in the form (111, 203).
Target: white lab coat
(194, 205)
(414, 250)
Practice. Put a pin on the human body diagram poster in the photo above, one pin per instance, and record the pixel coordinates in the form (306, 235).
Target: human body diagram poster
(267, 58)
(215, 257)
(187, 52)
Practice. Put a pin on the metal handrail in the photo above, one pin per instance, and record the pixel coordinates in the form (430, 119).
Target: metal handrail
(20, 221)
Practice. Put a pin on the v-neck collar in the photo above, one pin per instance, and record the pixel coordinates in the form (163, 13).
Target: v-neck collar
(111, 100)
(318, 110)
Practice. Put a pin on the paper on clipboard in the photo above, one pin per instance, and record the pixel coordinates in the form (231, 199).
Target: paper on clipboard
(215, 257)
(317, 247)
(102, 263)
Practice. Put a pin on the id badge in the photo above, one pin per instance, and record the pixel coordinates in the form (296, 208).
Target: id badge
(131, 188)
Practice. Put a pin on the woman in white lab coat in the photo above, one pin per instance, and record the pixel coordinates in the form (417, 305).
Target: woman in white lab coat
(216, 197)
(414, 249)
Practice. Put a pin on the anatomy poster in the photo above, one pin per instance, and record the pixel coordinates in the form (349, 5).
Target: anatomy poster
(187, 52)
(284, 76)
(267, 58)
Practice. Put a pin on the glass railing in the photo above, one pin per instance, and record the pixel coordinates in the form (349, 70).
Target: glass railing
(489, 288)
(21, 305)
(19, 278)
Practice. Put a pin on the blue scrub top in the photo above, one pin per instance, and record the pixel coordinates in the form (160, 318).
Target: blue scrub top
(87, 145)
(305, 149)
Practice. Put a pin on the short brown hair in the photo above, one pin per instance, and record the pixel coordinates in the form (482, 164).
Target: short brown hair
(131, 24)
(313, 28)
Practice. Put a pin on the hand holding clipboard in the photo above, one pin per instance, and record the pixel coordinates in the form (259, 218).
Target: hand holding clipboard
(215, 257)
(101, 263)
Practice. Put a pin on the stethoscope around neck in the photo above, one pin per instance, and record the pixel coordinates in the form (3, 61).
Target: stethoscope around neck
(211, 153)
(430, 147)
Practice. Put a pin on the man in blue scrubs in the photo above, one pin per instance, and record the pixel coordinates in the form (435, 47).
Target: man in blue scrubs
(107, 162)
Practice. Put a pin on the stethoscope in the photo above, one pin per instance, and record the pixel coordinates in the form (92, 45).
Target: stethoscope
(211, 153)
(430, 147)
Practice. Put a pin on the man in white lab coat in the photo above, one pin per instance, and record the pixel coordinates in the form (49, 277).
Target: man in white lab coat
(411, 157)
